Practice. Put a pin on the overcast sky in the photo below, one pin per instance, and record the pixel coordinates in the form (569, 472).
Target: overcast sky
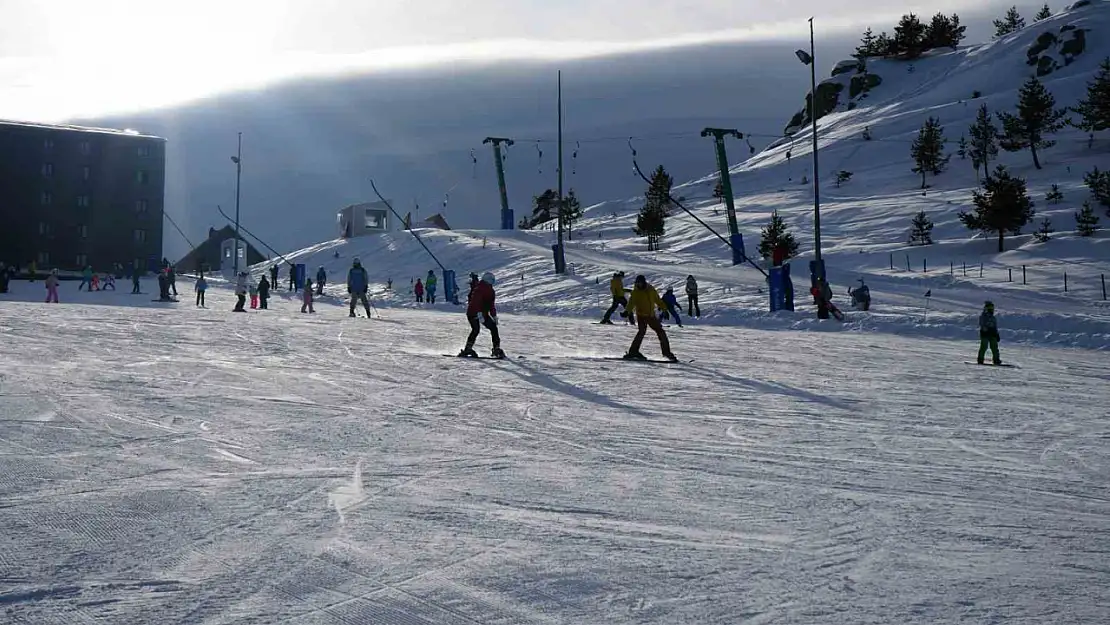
(65, 58)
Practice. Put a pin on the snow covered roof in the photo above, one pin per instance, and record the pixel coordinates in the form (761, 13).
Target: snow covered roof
(127, 132)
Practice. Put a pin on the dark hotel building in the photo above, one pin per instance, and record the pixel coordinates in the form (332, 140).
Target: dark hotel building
(73, 196)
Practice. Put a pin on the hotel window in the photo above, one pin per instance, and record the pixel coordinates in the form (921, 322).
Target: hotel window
(140, 236)
(46, 198)
(83, 201)
(140, 207)
(48, 169)
(85, 147)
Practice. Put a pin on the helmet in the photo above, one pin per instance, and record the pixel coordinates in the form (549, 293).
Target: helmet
(54, 272)
(356, 262)
(669, 290)
(641, 279)
(487, 277)
(988, 304)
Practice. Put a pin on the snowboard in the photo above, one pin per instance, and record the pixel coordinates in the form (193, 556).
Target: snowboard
(479, 357)
(658, 361)
(1005, 364)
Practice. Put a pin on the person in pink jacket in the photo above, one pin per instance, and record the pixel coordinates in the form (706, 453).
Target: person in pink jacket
(52, 287)
(307, 298)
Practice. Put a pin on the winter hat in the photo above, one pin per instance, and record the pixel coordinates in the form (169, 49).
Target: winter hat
(641, 279)
(487, 277)
(989, 305)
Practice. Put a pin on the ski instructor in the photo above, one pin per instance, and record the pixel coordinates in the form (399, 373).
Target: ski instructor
(358, 282)
(481, 302)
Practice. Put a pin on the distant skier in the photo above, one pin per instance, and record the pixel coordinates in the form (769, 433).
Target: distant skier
(692, 307)
(822, 297)
(163, 287)
(861, 296)
(672, 306)
(616, 289)
(419, 291)
(306, 301)
(988, 334)
(321, 279)
(292, 278)
(135, 282)
(241, 292)
(5, 278)
(263, 293)
(643, 302)
(358, 283)
(109, 281)
(253, 290)
(430, 286)
(171, 277)
(95, 284)
(482, 303)
(86, 278)
(274, 275)
(52, 287)
(200, 288)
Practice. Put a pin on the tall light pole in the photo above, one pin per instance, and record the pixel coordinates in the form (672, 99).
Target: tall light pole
(560, 264)
(809, 60)
(238, 160)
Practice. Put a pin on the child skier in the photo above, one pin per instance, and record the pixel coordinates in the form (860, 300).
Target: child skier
(109, 281)
(253, 290)
(988, 334)
(693, 309)
(419, 290)
(643, 302)
(672, 306)
(481, 302)
(200, 288)
(263, 293)
(240, 292)
(52, 287)
(306, 305)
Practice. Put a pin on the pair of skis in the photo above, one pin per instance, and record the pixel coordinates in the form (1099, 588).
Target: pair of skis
(621, 358)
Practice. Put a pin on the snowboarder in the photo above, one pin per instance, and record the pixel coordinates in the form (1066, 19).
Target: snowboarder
(358, 282)
(274, 275)
(306, 302)
(430, 286)
(86, 278)
(672, 306)
(163, 287)
(241, 292)
(419, 291)
(109, 281)
(200, 288)
(52, 287)
(481, 303)
(692, 308)
(861, 296)
(643, 302)
(321, 278)
(263, 293)
(988, 334)
(822, 297)
(616, 289)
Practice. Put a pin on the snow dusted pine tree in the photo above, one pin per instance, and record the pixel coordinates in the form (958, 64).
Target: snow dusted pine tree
(774, 235)
(1036, 117)
(1094, 111)
(928, 149)
(1054, 196)
(1086, 221)
(921, 230)
(1002, 206)
(1043, 14)
(651, 222)
(1012, 22)
(1042, 235)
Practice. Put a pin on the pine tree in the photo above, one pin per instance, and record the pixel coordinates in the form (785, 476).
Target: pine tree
(1046, 229)
(1036, 117)
(842, 176)
(1086, 221)
(572, 212)
(1044, 13)
(1012, 22)
(1002, 206)
(651, 221)
(983, 146)
(961, 150)
(944, 32)
(1054, 196)
(1099, 184)
(1094, 111)
(928, 149)
(884, 45)
(866, 47)
(921, 230)
(774, 235)
(909, 36)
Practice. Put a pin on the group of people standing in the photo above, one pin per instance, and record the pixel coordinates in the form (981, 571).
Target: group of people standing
(426, 290)
(640, 306)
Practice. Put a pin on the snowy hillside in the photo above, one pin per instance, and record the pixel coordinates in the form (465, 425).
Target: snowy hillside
(865, 222)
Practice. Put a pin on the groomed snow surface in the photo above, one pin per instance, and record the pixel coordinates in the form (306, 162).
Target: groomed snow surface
(178, 465)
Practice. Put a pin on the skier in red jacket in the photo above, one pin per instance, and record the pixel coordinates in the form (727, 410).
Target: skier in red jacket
(481, 302)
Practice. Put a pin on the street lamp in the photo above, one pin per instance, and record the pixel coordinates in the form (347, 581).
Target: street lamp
(807, 58)
(237, 159)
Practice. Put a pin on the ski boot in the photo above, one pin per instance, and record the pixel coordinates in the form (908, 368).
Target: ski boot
(634, 356)
(671, 357)
(468, 352)
(497, 353)
(352, 314)
(606, 321)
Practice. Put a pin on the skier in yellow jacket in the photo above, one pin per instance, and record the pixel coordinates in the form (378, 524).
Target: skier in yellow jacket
(616, 288)
(644, 302)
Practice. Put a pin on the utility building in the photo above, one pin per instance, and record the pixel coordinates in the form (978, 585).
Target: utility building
(359, 220)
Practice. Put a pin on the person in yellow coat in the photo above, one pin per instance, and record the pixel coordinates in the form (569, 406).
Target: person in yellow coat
(644, 302)
(616, 288)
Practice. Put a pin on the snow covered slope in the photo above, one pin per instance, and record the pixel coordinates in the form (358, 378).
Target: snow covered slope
(865, 222)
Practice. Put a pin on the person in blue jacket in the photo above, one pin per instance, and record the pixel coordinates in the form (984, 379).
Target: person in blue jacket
(358, 283)
(672, 305)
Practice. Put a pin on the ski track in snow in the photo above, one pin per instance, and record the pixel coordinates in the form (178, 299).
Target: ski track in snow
(157, 467)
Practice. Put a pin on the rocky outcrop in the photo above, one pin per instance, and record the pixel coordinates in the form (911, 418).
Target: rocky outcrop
(1054, 50)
